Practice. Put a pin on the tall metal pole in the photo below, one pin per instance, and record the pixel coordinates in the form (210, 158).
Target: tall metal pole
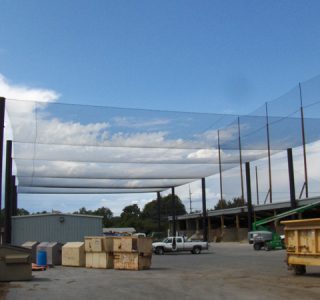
(257, 185)
(269, 155)
(8, 193)
(190, 202)
(2, 113)
(240, 159)
(14, 207)
(173, 202)
(249, 201)
(220, 168)
(159, 210)
(291, 179)
(204, 210)
(304, 144)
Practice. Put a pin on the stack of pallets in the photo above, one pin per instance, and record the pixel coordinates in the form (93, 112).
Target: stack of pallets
(99, 252)
(132, 253)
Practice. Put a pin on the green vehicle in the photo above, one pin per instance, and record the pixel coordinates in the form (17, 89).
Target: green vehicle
(263, 238)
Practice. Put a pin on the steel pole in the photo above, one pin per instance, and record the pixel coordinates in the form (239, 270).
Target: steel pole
(249, 201)
(220, 168)
(257, 185)
(2, 114)
(159, 210)
(240, 159)
(8, 193)
(304, 144)
(204, 210)
(173, 202)
(269, 155)
(291, 179)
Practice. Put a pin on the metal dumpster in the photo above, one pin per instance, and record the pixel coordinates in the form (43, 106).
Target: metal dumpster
(33, 247)
(302, 238)
(53, 250)
(15, 263)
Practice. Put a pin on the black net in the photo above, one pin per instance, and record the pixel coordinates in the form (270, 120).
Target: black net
(64, 148)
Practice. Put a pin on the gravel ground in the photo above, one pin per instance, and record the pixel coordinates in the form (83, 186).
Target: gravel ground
(226, 271)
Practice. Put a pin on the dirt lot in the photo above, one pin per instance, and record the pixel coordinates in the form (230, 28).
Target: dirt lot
(227, 271)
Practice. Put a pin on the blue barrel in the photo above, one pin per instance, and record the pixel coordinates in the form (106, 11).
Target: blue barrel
(42, 258)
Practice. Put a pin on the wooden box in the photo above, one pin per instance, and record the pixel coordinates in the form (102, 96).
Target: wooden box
(73, 254)
(131, 261)
(98, 244)
(100, 260)
(133, 244)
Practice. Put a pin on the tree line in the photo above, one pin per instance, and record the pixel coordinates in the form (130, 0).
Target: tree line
(145, 220)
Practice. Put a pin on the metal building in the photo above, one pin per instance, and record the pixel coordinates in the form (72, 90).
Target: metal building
(54, 227)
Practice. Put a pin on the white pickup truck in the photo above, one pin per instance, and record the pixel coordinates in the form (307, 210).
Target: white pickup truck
(178, 243)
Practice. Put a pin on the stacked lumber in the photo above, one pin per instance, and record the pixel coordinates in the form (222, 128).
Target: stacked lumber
(99, 252)
(132, 253)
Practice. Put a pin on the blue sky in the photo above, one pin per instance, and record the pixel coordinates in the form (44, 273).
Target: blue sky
(197, 56)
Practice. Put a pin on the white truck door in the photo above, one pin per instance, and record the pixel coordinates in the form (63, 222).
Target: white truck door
(179, 244)
(168, 244)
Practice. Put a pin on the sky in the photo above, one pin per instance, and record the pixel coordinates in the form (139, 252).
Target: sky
(194, 56)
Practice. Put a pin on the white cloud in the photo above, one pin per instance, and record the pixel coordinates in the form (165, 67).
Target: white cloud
(23, 92)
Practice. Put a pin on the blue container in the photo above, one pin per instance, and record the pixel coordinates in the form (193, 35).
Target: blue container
(42, 258)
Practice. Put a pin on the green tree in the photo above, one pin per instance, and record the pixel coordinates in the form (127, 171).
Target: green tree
(107, 215)
(131, 210)
(130, 217)
(236, 202)
(22, 212)
(150, 212)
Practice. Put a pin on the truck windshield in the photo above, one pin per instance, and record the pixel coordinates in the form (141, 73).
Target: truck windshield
(167, 240)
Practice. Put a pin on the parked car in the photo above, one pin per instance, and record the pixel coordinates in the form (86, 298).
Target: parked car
(179, 243)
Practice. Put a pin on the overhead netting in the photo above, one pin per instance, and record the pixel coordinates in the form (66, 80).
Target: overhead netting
(67, 148)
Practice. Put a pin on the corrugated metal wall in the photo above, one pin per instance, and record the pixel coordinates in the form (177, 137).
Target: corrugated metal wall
(54, 227)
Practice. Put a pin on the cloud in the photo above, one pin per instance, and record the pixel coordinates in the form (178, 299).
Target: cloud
(23, 92)
(131, 122)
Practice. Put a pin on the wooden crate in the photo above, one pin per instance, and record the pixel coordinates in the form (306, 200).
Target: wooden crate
(73, 254)
(133, 244)
(131, 261)
(100, 260)
(98, 244)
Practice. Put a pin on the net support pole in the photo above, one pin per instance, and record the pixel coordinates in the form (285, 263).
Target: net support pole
(159, 210)
(291, 179)
(269, 155)
(173, 203)
(257, 184)
(249, 199)
(220, 168)
(204, 210)
(8, 193)
(2, 113)
(240, 161)
(304, 145)
(14, 196)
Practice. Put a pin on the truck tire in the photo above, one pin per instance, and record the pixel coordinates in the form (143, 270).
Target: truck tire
(159, 251)
(257, 246)
(267, 247)
(299, 269)
(196, 250)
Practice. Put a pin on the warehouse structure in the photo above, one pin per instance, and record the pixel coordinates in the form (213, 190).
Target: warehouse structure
(231, 225)
(61, 228)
